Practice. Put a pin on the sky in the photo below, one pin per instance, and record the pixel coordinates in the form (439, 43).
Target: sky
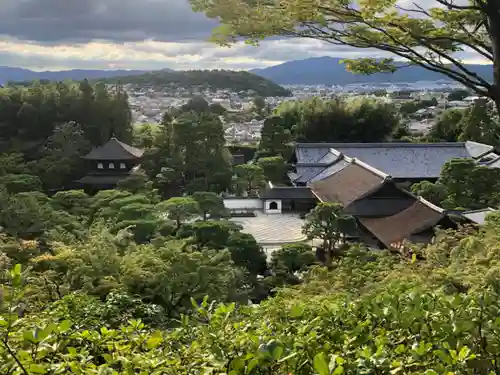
(138, 34)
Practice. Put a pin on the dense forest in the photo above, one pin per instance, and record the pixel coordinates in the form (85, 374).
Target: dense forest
(46, 128)
(205, 79)
(153, 278)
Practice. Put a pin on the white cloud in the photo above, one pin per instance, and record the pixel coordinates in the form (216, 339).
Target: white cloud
(139, 34)
(175, 55)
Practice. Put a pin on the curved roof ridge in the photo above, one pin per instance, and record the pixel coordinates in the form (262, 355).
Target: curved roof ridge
(432, 206)
(479, 210)
(370, 168)
(336, 152)
(334, 145)
(114, 149)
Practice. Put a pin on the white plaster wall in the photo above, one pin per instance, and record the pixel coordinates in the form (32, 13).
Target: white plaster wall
(243, 204)
(268, 203)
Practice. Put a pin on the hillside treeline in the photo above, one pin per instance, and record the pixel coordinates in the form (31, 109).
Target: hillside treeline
(205, 79)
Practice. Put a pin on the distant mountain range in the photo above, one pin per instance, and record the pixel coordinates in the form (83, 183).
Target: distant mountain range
(330, 71)
(312, 71)
(10, 74)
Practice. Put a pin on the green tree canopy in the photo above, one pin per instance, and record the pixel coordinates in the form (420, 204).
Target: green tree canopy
(293, 257)
(339, 120)
(196, 104)
(246, 253)
(458, 94)
(429, 36)
(328, 223)
(209, 203)
(190, 156)
(276, 139)
(179, 209)
(249, 178)
(274, 168)
(463, 184)
(448, 126)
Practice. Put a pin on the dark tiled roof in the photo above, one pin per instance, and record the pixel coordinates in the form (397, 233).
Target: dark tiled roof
(400, 160)
(114, 150)
(419, 216)
(306, 173)
(349, 184)
(287, 193)
(328, 171)
(101, 180)
(379, 207)
(330, 157)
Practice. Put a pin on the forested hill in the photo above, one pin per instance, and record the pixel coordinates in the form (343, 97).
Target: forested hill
(331, 71)
(26, 76)
(213, 79)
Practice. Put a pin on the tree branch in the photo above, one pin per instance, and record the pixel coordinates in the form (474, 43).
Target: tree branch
(450, 5)
(13, 355)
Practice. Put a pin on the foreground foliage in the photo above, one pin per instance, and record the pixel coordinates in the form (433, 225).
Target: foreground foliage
(370, 312)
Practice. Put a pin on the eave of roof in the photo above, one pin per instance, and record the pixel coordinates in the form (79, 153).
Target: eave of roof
(424, 160)
(478, 216)
(287, 192)
(420, 216)
(382, 144)
(101, 180)
(114, 150)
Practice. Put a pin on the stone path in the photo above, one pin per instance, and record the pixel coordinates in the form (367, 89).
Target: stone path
(272, 231)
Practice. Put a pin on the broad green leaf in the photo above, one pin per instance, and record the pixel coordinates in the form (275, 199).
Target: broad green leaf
(64, 326)
(37, 369)
(321, 364)
(296, 311)
(155, 340)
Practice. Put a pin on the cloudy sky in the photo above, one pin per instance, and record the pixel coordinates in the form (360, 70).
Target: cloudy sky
(134, 34)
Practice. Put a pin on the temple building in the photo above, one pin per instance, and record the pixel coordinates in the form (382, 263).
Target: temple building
(372, 181)
(109, 164)
(404, 162)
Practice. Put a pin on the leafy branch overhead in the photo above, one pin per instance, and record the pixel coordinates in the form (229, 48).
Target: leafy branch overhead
(431, 37)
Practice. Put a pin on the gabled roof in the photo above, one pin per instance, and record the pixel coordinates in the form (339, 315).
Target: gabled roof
(114, 150)
(350, 183)
(400, 160)
(478, 216)
(328, 171)
(330, 157)
(421, 215)
(305, 173)
(477, 150)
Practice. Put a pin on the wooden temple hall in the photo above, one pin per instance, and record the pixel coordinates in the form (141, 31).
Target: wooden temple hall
(109, 164)
(371, 181)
